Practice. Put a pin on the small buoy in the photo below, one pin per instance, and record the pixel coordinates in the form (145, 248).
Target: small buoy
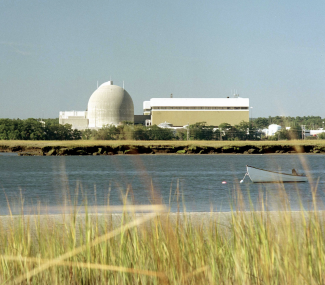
(224, 182)
(241, 181)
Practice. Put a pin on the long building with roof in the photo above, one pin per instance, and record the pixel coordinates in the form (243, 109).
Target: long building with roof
(184, 111)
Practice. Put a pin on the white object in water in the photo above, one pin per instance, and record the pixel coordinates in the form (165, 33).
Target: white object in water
(258, 175)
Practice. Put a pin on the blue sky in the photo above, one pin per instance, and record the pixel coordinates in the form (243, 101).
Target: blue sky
(53, 52)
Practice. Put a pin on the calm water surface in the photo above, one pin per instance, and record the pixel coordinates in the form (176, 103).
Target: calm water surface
(53, 182)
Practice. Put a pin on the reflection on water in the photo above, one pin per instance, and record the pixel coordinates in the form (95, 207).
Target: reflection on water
(50, 184)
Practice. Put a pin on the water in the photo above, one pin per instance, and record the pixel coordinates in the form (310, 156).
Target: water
(53, 182)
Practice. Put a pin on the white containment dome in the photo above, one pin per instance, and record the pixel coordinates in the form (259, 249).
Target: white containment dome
(109, 105)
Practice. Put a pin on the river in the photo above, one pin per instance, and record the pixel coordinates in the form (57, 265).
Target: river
(196, 182)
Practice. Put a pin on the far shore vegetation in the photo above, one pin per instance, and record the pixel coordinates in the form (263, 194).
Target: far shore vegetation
(89, 143)
(51, 130)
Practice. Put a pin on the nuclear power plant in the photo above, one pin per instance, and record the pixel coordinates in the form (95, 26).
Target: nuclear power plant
(112, 105)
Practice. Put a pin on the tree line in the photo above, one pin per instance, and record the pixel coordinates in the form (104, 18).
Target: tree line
(50, 129)
(33, 129)
(311, 122)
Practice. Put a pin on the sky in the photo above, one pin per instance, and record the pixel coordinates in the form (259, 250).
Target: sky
(52, 53)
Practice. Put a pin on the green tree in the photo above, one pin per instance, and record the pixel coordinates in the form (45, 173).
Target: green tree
(321, 136)
(141, 133)
(261, 123)
(87, 134)
(283, 134)
(180, 134)
(225, 131)
(62, 132)
(107, 132)
(156, 133)
(245, 131)
(5, 125)
(32, 129)
(125, 132)
(200, 131)
(292, 134)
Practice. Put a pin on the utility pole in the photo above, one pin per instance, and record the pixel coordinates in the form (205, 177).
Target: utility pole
(188, 131)
(303, 128)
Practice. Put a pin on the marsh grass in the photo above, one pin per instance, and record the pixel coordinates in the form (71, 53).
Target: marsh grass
(159, 247)
(85, 143)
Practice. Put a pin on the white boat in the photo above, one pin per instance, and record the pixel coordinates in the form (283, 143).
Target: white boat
(258, 175)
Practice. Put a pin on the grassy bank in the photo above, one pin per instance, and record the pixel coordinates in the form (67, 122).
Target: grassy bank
(164, 248)
(83, 147)
(90, 143)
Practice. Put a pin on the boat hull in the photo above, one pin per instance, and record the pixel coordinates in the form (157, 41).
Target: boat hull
(258, 175)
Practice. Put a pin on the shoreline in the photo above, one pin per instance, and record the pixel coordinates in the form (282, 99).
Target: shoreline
(72, 148)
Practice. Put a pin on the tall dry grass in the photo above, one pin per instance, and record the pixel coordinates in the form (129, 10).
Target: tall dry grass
(159, 247)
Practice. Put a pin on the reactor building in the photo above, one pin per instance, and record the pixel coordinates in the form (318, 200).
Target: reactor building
(108, 105)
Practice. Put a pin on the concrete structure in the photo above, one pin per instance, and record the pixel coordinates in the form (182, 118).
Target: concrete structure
(108, 105)
(184, 111)
(140, 119)
(78, 119)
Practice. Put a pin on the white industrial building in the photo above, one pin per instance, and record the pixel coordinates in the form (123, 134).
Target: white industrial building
(184, 111)
(77, 119)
